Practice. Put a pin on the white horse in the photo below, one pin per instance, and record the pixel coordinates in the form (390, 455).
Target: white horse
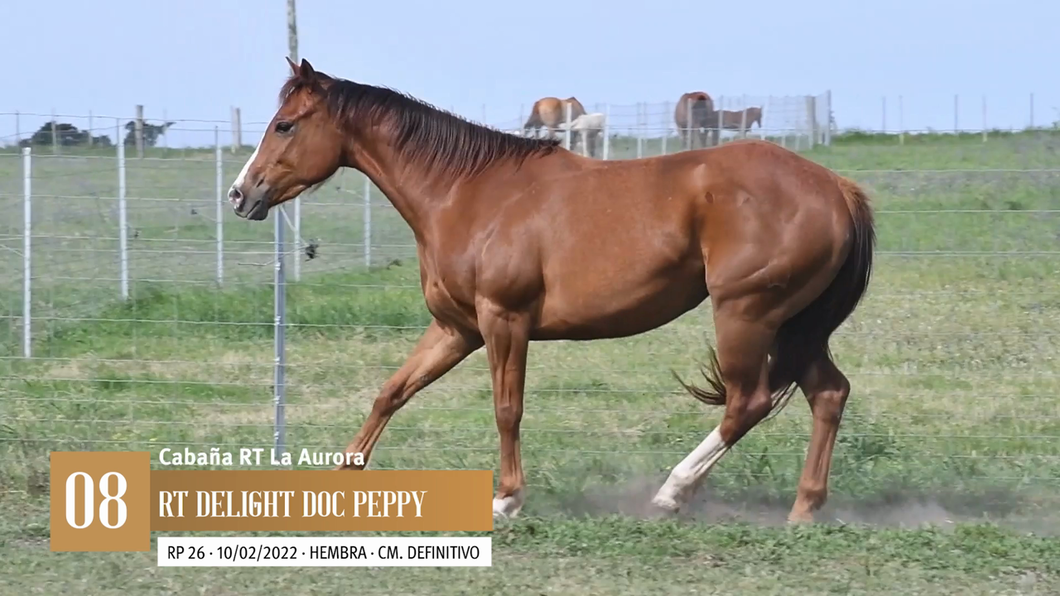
(589, 126)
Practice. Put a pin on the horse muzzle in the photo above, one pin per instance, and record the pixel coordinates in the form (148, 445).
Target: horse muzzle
(253, 205)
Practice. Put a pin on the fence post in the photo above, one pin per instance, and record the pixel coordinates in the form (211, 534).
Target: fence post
(640, 131)
(90, 144)
(55, 133)
(297, 224)
(218, 161)
(367, 221)
(689, 143)
(607, 130)
(956, 128)
(901, 122)
(279, 334)
(767, 111)
(828, 118)
(18, 124)
(237, 130)
(883, 114)
(123, 236)
(165, 137)
(743, 116)
(27, 233)
(566, 118)
(984, 118)
(721, 119)
(811, 117)
(139, 128)
(665, 125)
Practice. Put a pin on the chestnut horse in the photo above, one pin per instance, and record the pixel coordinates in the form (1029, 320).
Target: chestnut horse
(741, 120)
(694, 116)
(550, 112)
(520, 240)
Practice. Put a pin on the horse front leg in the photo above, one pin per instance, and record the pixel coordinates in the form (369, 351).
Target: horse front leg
(507, 338)
(436, 353)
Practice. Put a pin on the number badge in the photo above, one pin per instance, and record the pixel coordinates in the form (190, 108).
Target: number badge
(100, 501)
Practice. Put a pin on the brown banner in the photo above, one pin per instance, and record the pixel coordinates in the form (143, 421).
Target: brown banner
(321, 500)
(111, 501)
(99, 501)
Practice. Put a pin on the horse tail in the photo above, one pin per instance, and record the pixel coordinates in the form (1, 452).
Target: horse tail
(803, 338)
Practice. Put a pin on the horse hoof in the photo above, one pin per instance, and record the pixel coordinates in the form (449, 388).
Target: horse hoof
(663, 508)
(800, 518)
(508, 507)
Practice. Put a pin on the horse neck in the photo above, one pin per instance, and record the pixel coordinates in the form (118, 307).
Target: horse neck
(407, 185)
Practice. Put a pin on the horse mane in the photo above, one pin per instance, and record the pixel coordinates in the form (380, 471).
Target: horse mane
(438, 138)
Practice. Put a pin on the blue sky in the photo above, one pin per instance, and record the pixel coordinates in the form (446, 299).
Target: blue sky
(193, 59)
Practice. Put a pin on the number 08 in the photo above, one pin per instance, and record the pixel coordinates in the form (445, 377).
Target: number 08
(90, 498)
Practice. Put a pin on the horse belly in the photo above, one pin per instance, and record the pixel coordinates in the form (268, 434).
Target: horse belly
(604, 304)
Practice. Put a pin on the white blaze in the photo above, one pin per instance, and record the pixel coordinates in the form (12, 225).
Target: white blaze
(241, 178)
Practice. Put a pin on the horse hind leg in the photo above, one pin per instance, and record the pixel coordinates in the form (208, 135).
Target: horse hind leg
(740, 381)
(827, 389)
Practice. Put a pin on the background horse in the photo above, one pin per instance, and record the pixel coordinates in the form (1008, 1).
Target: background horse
(589, 128)
(741, 120)
(520, 240)
(549, 113)
(698, 106)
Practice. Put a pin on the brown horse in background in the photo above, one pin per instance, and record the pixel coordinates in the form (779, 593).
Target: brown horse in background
(693, 116)
(550, 112)
(520, 240)
(741, 120)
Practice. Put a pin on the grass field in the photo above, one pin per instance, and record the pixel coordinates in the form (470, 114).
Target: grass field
(954, 418)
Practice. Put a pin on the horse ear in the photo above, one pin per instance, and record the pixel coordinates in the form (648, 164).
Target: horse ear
(294, 67)
(305, 71)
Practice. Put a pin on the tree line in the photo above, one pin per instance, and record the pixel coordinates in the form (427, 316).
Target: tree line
(68, 135)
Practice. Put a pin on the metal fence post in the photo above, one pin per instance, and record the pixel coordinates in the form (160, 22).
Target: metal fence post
(665, 126)
(297, 224)
(566, 119)
(640, 131)
(123, 226)
(27, 233)
(279, 335)
(607, 130)
(828, 117)
(367, 222)
(219, 166)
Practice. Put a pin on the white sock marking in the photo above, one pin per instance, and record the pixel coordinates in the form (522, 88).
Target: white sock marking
(508, 507)
(692, 468)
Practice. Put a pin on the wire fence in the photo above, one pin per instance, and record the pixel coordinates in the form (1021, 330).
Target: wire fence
(793, 120)
(138, 313)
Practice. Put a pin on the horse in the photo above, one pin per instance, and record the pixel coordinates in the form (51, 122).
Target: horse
(549, 113)
(589, 128)
(693, 116)
(741, 120)
(520, 241)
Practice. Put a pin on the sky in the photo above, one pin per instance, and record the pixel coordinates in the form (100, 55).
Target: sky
(488, 60)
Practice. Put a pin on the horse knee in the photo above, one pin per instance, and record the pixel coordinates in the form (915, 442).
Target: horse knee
(743, 412)
(508, 415)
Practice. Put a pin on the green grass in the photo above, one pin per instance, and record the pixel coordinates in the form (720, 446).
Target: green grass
(954, 418)
(610, 555)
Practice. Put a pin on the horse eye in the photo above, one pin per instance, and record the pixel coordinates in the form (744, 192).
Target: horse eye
(283, 127)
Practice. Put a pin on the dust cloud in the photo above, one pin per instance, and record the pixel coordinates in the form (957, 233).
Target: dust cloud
(895, 510)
